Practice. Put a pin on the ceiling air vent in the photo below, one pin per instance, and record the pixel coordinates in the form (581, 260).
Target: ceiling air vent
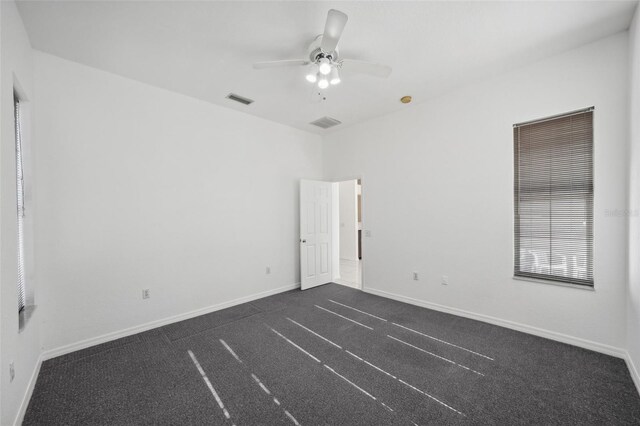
(326, 122)
(238, 98)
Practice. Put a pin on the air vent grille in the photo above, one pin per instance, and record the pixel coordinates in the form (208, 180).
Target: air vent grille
(326, 122)
(238, 98)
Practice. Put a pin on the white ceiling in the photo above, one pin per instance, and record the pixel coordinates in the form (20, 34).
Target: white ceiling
(205, 49)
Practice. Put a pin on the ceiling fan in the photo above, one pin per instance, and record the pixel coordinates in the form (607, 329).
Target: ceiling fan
(324, 64)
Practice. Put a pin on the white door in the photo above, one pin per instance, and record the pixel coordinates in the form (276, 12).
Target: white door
(315, 233)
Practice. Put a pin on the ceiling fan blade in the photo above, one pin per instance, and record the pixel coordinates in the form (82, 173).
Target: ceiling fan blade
(277, 64)
(336, 21)
(369, 68)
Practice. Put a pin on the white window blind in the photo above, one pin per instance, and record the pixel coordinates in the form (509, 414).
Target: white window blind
(20, 204)
(553, 198)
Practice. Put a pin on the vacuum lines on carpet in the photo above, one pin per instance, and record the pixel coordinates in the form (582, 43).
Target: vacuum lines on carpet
(266, 390)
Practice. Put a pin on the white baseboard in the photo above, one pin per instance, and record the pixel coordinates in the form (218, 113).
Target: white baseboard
(564, 338)
(632, 370)
(83, 344)
(348, 284)
(27, 394)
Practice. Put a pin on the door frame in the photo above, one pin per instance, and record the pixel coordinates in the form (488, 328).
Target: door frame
(337, 224)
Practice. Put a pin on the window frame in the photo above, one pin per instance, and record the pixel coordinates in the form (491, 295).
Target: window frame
(549, 278)
(20, 202)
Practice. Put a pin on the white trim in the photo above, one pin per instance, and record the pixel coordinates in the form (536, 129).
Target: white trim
(564, 338)
(556, 283)
(635, 376)
(27, 394)
(337, 279)
(83, 344)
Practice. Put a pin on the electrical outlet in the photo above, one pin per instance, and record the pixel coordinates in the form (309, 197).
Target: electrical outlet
(146, 293)
(268, 270)
(12, 371)
(445, 280)
(415, 276)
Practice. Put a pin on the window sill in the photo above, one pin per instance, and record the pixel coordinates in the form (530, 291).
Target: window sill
(556, 283)
(25, 316)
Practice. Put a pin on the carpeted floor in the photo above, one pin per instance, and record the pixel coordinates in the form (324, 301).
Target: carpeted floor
(333, 355)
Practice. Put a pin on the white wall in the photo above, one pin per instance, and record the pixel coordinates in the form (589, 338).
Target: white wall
(139, 187)
(21, 347)
(439, 179)
(348, 220)
(633, 306)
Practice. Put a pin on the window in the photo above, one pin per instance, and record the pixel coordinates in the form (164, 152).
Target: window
(20, 204)
(553, 198)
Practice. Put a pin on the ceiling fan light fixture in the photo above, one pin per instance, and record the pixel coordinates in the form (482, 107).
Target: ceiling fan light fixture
(323, 83)
(312, 71)
(335, 77)
(324, 66)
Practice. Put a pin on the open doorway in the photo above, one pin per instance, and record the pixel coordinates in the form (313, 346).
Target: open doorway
(349, 221)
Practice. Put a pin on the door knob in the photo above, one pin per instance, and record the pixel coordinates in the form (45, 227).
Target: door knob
(303, 241)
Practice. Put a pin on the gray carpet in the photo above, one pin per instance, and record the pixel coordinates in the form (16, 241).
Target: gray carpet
(337, 356)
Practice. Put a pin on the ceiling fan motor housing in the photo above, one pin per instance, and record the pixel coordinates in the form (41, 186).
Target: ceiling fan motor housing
(316, 53)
